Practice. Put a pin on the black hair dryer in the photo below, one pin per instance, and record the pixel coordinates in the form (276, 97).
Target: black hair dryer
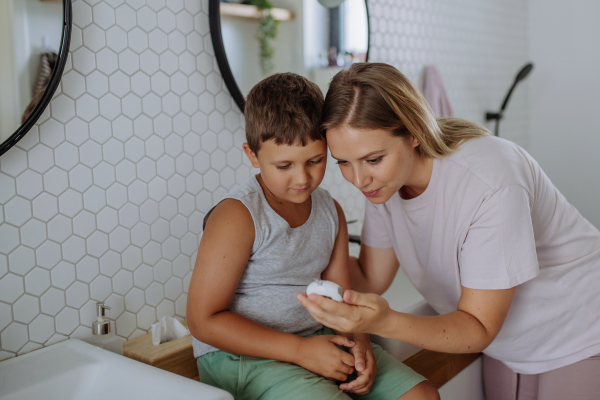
(497, 116)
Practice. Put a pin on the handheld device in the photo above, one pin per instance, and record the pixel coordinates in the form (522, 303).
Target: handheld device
(326, 289)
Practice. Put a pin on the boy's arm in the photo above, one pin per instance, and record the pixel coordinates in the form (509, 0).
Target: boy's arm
(338, 271)
(222, 257)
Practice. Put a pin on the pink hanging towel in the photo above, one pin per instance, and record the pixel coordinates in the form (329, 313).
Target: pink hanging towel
(435, 93)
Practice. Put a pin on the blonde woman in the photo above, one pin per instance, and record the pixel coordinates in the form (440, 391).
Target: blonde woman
(512, 268)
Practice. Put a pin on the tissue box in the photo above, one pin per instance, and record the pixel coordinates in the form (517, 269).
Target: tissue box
(176, 356)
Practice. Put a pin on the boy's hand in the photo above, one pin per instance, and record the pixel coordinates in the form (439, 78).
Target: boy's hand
(366, 367)
(320, 354)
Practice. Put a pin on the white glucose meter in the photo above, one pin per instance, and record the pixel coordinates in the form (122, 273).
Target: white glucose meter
(326, 289)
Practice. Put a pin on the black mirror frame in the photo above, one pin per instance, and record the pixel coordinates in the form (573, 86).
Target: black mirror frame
(214, 16)
(39, 109)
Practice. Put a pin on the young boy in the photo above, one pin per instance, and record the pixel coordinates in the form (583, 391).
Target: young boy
(265, 242)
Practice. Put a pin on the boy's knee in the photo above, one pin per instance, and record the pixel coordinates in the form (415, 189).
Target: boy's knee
(422, 391)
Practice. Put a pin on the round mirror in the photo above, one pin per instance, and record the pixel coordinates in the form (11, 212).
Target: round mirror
(34, 46)
(257, 38)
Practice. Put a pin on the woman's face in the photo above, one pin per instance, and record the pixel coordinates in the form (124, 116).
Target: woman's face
(374, 161)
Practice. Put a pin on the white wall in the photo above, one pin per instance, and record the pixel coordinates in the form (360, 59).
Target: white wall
(564, 39)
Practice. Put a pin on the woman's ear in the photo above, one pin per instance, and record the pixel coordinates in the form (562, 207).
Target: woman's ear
(251, 155)
(414, 141)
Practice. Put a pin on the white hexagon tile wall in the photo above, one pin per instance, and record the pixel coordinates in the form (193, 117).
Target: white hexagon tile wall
(104, 198)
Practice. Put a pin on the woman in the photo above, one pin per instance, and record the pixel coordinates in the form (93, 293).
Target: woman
(511, 267)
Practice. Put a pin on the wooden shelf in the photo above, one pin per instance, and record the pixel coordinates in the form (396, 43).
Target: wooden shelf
(252, 12)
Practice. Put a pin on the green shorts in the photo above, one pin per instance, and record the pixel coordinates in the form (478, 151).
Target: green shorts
(249, 378)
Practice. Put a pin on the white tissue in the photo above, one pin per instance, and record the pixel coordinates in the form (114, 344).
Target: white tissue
(167, 329)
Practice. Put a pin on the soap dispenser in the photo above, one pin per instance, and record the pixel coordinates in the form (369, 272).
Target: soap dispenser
(102, 336)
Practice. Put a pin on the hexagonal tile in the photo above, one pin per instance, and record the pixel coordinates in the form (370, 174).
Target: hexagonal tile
(87, 269)
(132, 258)
(11, 287)
(73, 249)
(110, 263)
(142, 277)
(119, 239)
(140, 234)
(100, 131)
(87, 107)
(151, 253)
(59, 228)
(166, 20)
(138, 40)
(67, 156)
(94, 38)
(146, 19)
(70, 203)
(126, 172)
(132, 105)
(119, 84)
(67, 320)
(45, 206)
(110, 106)
(100, 288)
(77, 131)
(33, 233)
(26, 309)
(22, 260)
(138, 192)
(52, 301)
(77, 294)
(97, 83)
(97, 244)
(134, 300)
(125, 324)
(29, 184)
(41, 329)
(177, 42)
(125, 17)
(94, 199)
(37, 281)
(84, 60)
(107, 61)
(129, 216)
(154, 294)
(80, 178)
(48, 254)
(116, 39)
(14, 337)
(84, 224)
(122, 282)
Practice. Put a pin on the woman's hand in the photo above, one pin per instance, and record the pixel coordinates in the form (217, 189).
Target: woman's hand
(364, 364)
(360, 312)
(320, 354)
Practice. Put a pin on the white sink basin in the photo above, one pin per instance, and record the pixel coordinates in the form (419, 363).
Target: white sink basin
(77, 370)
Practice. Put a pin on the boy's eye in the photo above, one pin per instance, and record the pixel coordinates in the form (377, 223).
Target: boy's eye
(283, 166)
(374, 161)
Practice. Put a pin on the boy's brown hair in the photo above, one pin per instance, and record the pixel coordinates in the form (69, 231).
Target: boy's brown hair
(285, 107)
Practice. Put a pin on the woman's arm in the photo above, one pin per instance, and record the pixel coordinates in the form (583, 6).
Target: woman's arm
(374, 269)
(470, 329)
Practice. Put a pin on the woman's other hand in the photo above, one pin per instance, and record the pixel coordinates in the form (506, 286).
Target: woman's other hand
(360, 312)
(364, 364)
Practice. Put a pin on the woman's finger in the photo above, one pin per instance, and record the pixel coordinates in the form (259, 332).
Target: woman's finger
(359, 382)
(359, 360)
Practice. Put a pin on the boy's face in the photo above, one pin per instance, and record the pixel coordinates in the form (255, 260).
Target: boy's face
(293, 172)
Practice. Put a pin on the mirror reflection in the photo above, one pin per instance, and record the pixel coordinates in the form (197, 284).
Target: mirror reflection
(301, 36)
(30, 34)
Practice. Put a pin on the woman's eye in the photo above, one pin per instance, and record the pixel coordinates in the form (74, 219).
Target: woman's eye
(338, 162)
(375, 160)
(283, 166)
(315, 162)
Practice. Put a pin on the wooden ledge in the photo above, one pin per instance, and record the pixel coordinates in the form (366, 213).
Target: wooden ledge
(177, 357)
(439, 368)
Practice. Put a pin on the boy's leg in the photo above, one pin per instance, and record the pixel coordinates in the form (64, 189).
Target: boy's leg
(394, 379)
(248, 378)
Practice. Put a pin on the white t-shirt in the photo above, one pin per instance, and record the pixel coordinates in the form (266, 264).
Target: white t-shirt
(491, 219)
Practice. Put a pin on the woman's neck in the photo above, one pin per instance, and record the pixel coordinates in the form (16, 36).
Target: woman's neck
(419, 179)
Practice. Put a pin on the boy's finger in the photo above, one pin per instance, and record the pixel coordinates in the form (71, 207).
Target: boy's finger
(348, 359)
(342, 341)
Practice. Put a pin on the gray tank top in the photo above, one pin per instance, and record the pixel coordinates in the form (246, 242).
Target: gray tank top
(283, 262)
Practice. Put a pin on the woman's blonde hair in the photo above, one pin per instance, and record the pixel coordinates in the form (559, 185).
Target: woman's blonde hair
(378, 96)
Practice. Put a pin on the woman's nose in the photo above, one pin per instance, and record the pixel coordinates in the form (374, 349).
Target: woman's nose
(361, 178)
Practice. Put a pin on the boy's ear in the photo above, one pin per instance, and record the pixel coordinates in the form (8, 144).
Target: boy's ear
(251, 155)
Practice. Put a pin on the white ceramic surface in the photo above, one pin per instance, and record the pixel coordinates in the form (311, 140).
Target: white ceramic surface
(76, 370)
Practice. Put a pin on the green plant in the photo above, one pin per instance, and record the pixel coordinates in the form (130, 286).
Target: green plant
(267, 31)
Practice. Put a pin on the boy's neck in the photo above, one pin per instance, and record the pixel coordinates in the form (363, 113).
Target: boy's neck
(295, 214)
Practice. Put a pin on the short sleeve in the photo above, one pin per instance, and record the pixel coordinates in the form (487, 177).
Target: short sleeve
(374, 231)
(499, 250)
